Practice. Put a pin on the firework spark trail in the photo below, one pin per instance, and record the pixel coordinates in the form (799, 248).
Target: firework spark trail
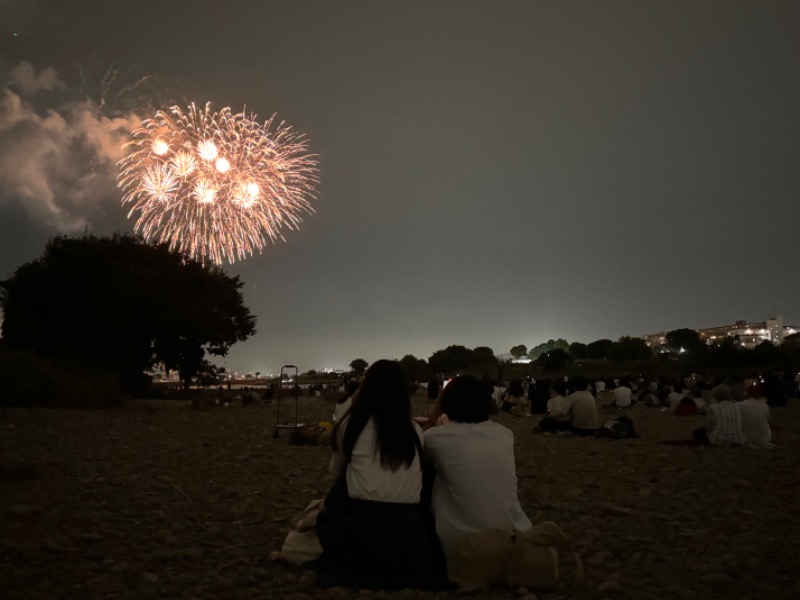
(216, 185)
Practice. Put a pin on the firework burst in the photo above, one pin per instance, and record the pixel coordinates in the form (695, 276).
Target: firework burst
(216, 185)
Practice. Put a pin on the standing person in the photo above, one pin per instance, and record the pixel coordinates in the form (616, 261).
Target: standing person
(541, 395)
(372, 529)
(434, 386)
(530, 388)
(475, 485)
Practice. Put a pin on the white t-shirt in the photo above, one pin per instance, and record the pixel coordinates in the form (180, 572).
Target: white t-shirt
(558, 408)
(724, 423)
(476, 481)
(755, 422)
(368, 479)
(584, 410)
(622, 397)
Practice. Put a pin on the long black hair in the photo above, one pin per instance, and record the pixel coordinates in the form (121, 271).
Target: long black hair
(383, 396)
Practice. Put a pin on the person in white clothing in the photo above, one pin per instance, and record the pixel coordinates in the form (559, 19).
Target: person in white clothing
(475, 485)
(724, 420)
(558, 410)
(755, 417)
(622, 394)
(583, 409)
(372, 529)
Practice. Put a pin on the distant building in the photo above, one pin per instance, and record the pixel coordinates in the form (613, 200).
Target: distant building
(744, 334)
(655, 340)
(793, 340)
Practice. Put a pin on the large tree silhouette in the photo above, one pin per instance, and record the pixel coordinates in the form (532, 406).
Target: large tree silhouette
(686, 339)
(119, 305)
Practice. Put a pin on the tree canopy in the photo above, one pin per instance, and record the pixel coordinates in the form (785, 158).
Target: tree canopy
(414, 368)
(684, 339)
(547, 346)
(578, 350)
(119, 305)
(599, 348)
(482, 356)
(519, 351)
(553, 360)
(629, 348)
(358, 366)
(449, 360)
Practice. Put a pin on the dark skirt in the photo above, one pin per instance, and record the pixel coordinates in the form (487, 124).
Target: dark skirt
(368, 544)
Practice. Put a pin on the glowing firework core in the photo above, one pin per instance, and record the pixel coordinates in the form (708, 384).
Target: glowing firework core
(207, 150)
(216, 185)
(222, 165)
(160, 147)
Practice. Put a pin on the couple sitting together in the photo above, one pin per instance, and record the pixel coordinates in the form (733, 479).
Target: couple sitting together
(385, 524)
(575, 412)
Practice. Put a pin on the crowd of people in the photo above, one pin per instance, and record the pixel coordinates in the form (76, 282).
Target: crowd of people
(408, 490)
(736, 405)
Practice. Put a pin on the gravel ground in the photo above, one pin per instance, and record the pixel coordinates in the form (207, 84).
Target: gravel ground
(182, 503)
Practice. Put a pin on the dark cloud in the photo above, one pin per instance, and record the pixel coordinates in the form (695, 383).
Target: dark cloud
(59, 164)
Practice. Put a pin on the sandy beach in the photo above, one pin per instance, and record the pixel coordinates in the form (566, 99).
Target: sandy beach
(179, 503)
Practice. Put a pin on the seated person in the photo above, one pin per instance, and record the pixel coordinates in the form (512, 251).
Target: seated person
(755, 417)
(676, 397)
(372, 529)
(559, 417)
(649, 395)
(724, 420)
(475, 486)
(515, 401)
(622, 395)
(582, 408)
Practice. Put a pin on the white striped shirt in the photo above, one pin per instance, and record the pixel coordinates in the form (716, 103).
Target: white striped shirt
(724, 423)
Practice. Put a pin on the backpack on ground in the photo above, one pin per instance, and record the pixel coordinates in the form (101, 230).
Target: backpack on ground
(620, 428)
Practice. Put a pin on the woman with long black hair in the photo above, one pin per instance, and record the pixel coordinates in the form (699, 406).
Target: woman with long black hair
(372, 529)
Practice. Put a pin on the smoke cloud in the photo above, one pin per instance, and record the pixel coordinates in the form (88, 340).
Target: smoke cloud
(57, 162)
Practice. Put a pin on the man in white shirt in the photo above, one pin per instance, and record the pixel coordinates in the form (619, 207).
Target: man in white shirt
(475, 486)
(724, 420)
(622, 395)
(583, 408)
(558, 410)
(755, 417)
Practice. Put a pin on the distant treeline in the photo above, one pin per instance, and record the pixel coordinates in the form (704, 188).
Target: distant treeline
(684, 350)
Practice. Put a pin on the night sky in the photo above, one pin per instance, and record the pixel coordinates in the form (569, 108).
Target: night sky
(492, 173)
